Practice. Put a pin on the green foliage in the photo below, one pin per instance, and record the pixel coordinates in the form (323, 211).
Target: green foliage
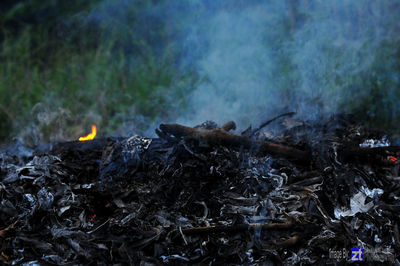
(53, 88)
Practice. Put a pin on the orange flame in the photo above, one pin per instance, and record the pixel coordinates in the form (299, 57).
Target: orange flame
(91, 135)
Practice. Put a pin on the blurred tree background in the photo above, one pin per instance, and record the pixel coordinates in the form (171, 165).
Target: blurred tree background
(62, 69)
(123, 66)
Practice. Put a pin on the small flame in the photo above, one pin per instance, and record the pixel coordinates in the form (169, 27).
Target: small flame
(91, 135)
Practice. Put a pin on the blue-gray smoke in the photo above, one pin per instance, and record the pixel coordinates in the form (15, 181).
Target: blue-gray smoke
(261, 58)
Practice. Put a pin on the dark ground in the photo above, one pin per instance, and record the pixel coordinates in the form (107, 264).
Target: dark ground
(151, 201)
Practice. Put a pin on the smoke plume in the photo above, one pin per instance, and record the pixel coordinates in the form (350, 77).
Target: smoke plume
(257, 59)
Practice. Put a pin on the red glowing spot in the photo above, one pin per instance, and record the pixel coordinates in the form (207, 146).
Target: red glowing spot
(94, 216)
(393, 159)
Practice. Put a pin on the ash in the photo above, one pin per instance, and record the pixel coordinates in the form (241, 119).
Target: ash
(172, 201)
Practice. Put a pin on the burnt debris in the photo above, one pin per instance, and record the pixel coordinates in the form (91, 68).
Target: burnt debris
(305, 194)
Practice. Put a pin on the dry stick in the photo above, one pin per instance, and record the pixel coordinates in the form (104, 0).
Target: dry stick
(6, 230)
(183, 236)
(270, 121)
(236, 228)
(229, 126)
(362, 152)
(289, 242)
(100, 226)
(222, 137)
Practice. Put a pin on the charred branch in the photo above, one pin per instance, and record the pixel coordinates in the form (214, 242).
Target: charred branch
(224, 138)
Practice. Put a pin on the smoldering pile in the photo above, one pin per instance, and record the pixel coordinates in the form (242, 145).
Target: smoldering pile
(203, 195)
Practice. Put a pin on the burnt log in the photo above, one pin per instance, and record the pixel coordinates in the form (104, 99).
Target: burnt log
(220, 136)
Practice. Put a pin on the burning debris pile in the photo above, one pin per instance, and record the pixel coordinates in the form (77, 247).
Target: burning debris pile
(307, 194)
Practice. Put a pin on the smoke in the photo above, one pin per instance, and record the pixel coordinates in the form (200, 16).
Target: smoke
(239, 64)
(257, 59)
(340, 45)
(129, 65)
(316, 57)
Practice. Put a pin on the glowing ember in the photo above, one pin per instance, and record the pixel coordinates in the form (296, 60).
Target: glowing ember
(393, 159)
(91, 135)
